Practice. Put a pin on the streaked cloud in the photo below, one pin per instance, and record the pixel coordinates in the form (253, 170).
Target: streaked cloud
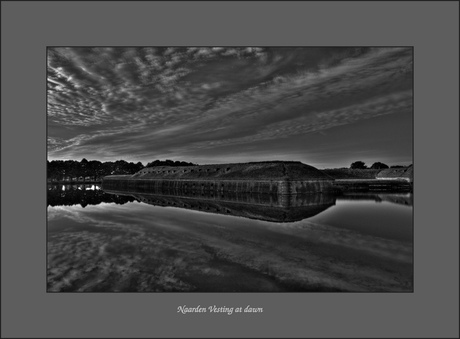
(143, 104)
(121, 247)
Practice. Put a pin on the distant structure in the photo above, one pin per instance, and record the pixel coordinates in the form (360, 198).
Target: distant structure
(274, 177)
(404, 173)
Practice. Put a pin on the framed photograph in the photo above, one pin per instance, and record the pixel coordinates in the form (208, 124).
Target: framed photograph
(253, 187)
(230, 169)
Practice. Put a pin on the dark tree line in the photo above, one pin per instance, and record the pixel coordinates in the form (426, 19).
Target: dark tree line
(94, 170)
(375, 165)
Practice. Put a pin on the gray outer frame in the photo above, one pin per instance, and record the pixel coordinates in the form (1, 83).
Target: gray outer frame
(431, 27)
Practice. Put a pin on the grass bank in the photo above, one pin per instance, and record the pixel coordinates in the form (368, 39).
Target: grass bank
(348, 173)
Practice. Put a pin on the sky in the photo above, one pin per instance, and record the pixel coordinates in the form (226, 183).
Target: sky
(326, 107)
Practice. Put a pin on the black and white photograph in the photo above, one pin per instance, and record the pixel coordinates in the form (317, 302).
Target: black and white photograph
(229, 169)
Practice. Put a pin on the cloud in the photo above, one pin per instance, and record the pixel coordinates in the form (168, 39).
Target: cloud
(113, 247)
(165, 101)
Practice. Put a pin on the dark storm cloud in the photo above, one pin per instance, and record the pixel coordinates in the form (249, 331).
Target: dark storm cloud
(146, 103)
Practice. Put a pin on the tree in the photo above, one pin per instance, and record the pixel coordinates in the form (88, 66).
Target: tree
(83, 170)
(378, 165)
(95, 169)
(358, 165)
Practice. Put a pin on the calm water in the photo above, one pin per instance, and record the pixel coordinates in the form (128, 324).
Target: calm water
(112, 242)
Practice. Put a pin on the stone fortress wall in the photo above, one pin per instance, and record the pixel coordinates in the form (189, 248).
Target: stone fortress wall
(273, 177)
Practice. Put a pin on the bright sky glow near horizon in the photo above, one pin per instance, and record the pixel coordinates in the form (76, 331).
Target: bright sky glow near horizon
(326, 107)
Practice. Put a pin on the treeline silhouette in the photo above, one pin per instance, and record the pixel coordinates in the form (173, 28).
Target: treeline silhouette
(375, 165)
(95, 170)
(79, 195)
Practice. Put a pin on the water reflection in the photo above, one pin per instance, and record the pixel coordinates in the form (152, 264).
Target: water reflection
(267, 207)
(396, 198)
(83, 195)
(156, 246)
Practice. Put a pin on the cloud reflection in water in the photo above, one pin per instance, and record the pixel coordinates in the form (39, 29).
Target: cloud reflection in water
(140, 247)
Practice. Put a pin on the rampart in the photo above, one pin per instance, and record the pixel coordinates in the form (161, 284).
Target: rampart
(274, 177)
(405, 173)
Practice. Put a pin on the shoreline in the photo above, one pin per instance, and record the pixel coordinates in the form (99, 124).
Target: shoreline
(74, 182)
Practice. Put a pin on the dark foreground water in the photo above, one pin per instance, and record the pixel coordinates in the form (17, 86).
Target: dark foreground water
(140, 242)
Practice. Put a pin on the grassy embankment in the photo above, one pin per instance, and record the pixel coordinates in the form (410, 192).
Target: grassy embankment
(348, 173)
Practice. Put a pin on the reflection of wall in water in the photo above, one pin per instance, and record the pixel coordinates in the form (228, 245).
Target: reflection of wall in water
(268, 207)
(402, 199)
